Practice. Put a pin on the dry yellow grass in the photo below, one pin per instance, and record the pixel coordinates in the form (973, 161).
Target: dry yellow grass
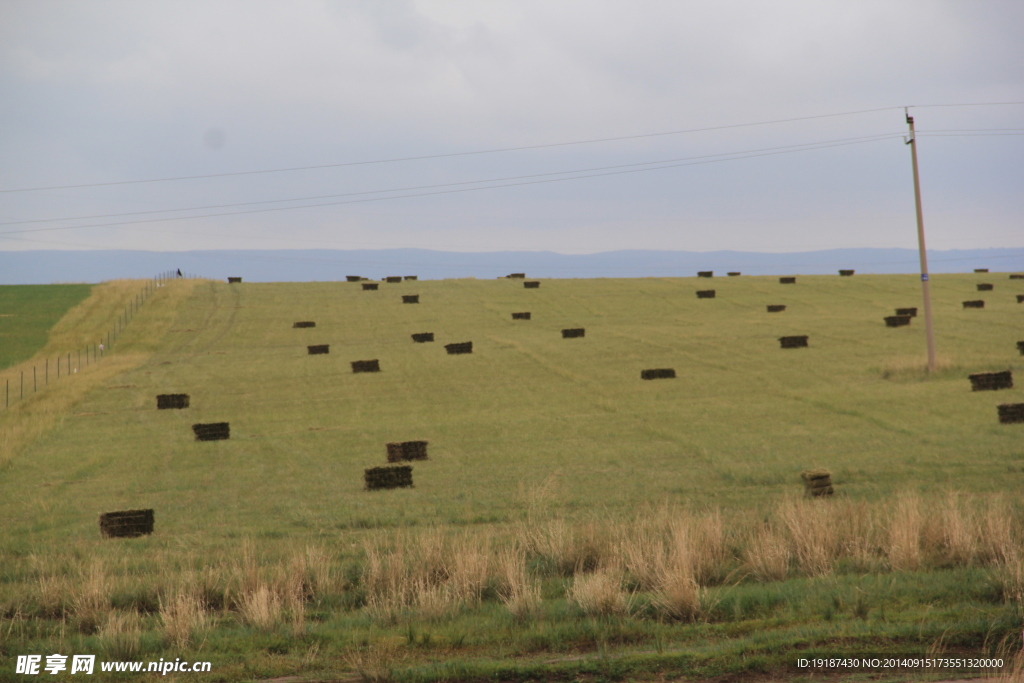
(767, 555)
(905, 526)
(182, 617)
(600, 593)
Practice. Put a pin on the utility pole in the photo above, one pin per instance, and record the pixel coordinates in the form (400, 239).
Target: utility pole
(929, 334)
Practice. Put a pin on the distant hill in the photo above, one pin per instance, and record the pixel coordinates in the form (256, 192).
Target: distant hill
(306, 265)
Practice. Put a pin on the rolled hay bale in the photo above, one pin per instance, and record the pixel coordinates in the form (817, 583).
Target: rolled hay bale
(394, 477)
(912, 311)
(317, 349)
(658, 373)
(411, 277)
(461, 347)
(706, 294)
(573, 333)
(393, 278)
(985, 287)
(369, 286)
(525, 315)
(1020, 347)
(734, 273)
(978, 303)
(365, 365)
(304, 323)
(353, 278)
(212, 431)
(422, 337)
(516, 276)
(126, 523)
(407, 450)
(981, 270)
(897, 320)
(410, 298)
(171, 401)
(705, 273)
(817, 483)
(1011, 412)
(234, 280)
(776, 308)
(794, 342)
(787, 280)
(991, 381)
(531, 284)
(846, 273)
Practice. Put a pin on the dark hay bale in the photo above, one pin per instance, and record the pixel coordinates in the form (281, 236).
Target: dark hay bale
(897, 320)
(304, 323)
(234, 280)
(422, 337)
(318, 349)
(734, 273)
(1020, 298)
(516, 276)
(817, 483)
(794, 342)
(776, 308)
(366, 366)
(353, 278)
(974, 304)
(981, 270)
(658, 373)
(411, 277)
(706, 294)
(407, 450)
(846, 273)
(461, 347)
(395, 477)
(525, 315)
(912, 312)
(1017, 276)
(1020, 347)
(367, 286)
(573, 333)
(532, 284)
(393, 278)
(991, 381)
(212, 431)
(126, 523)
(1011, 412)
(787, 280)
(705, 273)
(985, 287)
(169, 401)
(410, 298)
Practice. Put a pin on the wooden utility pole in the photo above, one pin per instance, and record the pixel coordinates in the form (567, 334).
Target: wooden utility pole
(929, 334)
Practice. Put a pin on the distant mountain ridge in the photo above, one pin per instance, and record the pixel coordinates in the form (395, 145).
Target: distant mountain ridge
(306, 265)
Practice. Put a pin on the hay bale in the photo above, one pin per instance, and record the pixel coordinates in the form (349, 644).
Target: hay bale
(410, 298)
(573, 333)
(912, 311)
(658, 373)
(776, 308)
(1020, 347)
(706, 294)
(461, 347)
(407, 450)
(212, 431)
(985, 287)
(531, 284)
(1020, 298)
(817, 483)
(734, 273)
(991, 381)
(422, 337)
(393, 278)
(411, 277)
(304, 323)
(897, 320)
(981, 270)
(317, 349)
(794, 342)
(353, 278)
(1017, 276)
(234, 280)
(846, 273)
(525, 315)
(171, 401)
(370, 286)
(126, 523)
(787, 280)
(974, 304)
(365, 366)
(516, 276)
(705, 273)
(395, 477)
(1011, 412)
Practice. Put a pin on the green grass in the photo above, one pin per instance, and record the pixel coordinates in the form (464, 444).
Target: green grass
(27, 312)
(528, 421)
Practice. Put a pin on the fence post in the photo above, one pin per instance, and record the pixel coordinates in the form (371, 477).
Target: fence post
(35, 387)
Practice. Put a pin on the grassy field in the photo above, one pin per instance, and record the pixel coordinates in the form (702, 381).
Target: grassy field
(28, 312)
(571, 517)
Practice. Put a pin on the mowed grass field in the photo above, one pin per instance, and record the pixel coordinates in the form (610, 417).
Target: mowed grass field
(27, 312)
(529, 424)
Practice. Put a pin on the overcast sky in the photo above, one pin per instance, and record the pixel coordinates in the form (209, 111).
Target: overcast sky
(105, 92)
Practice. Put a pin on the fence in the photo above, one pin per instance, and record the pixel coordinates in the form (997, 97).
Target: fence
(70, 362)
